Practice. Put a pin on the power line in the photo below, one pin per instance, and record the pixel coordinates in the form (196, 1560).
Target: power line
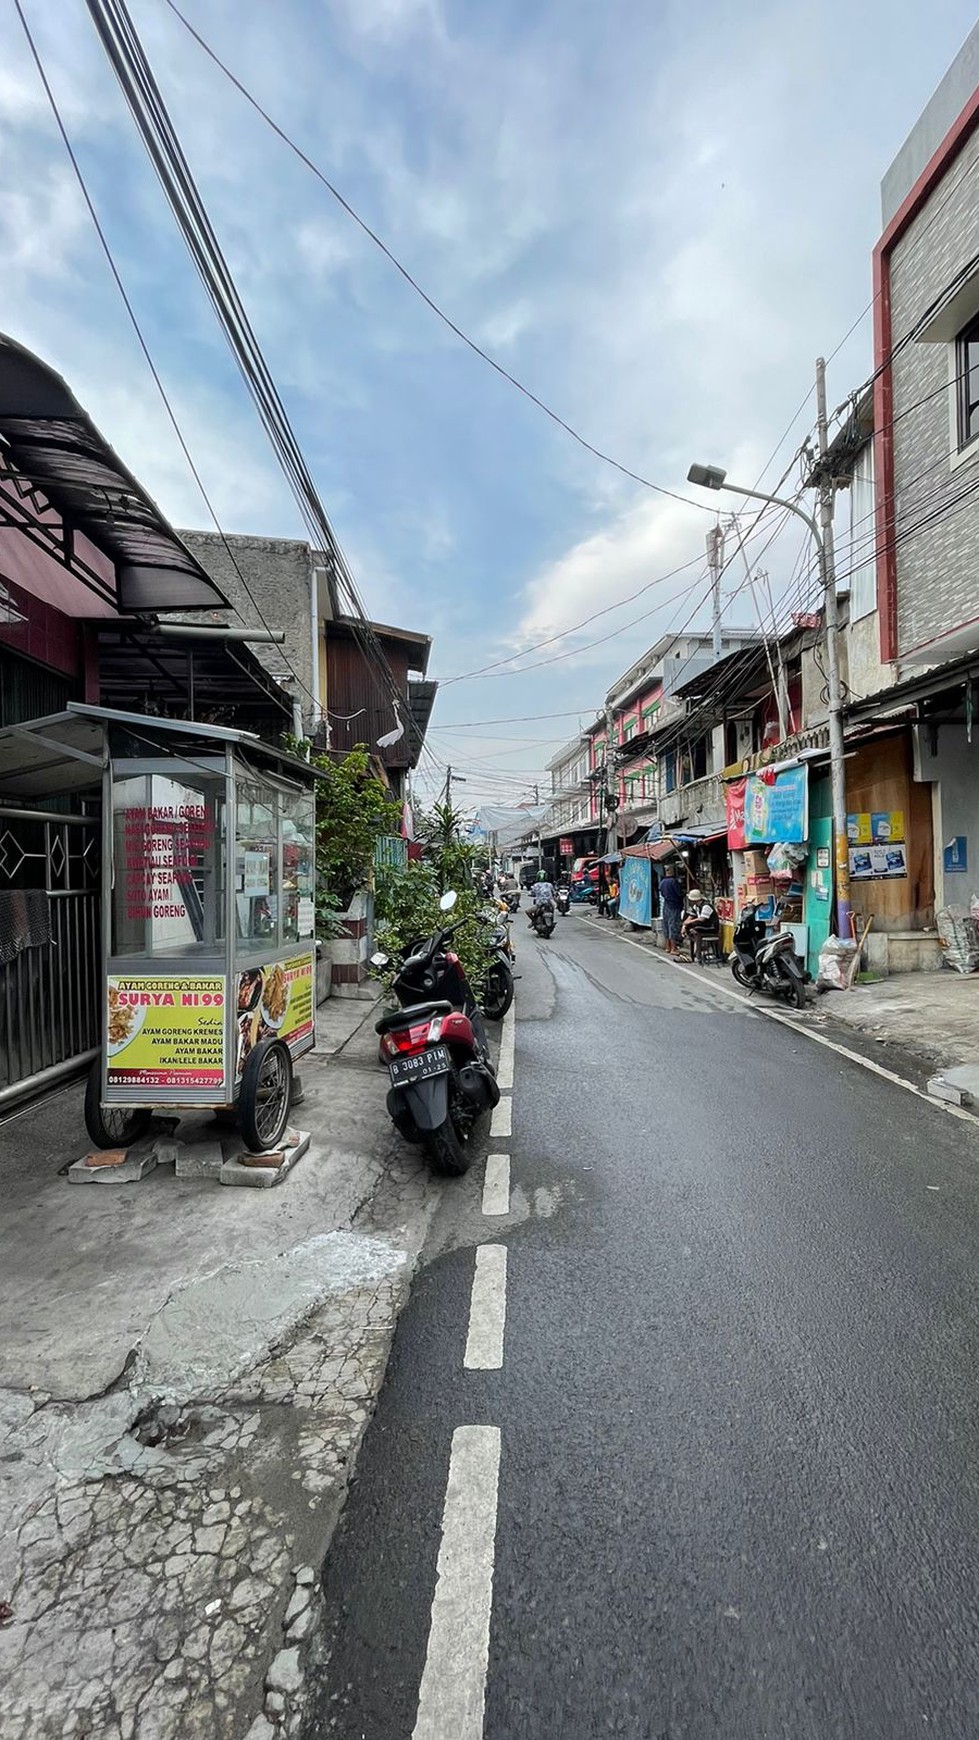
(429, 301)
(131, 312)
(144, 98)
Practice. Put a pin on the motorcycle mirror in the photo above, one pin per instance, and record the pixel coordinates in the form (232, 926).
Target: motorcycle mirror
(448, 900)
(380, 960)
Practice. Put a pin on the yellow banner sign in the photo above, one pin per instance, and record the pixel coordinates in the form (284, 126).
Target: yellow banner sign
(276, 1002)
(166, 1032)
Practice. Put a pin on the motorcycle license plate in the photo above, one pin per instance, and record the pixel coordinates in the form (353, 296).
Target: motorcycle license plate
(435, 1061)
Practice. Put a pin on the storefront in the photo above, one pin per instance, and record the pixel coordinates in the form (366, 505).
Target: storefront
(768, 838)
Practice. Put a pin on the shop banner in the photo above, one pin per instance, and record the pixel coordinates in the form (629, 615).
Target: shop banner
(275, 1002)
(777, 811)
(636, 891)
(166, 1032)
(734, 796)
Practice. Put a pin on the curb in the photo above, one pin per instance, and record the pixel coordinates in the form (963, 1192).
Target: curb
(868, 1063)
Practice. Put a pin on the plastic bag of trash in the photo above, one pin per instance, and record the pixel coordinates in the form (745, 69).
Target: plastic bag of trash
(834, 963)
(958, 932)
(784, 860)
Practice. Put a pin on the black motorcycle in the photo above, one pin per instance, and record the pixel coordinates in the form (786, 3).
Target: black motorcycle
(543, 920)
(563, 899)
(498, 986)
(436, 1050)
(767, 963)
(512, 898)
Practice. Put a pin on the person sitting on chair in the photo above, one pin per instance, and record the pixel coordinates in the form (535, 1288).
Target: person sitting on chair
(701, 922)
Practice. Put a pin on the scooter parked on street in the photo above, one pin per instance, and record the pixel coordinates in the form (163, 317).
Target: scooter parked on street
(767, 963)
(498, 988)
(436, 1050)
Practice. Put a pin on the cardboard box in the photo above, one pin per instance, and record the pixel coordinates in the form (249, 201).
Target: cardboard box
(755, 864)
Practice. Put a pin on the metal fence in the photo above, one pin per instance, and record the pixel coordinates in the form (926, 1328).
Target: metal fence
(49, 1001)
(390, 852)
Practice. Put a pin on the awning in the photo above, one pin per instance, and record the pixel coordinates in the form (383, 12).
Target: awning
(698, 836)
(66, 752)
(144, 671)
(51, 443)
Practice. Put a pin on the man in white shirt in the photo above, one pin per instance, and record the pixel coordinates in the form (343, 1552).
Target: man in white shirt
(701, 921)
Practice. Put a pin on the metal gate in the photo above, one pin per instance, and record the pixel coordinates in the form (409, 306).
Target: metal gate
(49, 1005)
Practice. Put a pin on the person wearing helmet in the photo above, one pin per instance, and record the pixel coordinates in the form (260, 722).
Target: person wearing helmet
(541, 894)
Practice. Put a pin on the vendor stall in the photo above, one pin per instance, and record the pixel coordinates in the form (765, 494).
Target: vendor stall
(208, 916)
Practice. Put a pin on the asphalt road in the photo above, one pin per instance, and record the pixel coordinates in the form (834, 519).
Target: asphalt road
(738, 1406)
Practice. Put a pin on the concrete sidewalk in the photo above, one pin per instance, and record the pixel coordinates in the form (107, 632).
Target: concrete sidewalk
(185, 1372)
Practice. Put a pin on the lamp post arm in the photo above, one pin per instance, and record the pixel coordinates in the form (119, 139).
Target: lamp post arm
(779, 501)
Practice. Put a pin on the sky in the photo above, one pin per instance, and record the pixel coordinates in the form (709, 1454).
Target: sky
(654, 215)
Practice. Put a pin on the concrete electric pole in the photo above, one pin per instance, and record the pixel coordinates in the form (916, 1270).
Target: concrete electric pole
(827, 562)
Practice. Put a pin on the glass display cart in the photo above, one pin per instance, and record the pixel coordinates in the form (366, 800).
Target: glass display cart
(209, 926)
(208, 916)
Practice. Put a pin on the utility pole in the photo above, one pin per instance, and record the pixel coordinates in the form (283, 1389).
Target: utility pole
(827, 563)
(715, 562)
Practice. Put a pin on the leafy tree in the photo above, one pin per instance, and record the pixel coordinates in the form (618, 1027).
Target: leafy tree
(407, 903)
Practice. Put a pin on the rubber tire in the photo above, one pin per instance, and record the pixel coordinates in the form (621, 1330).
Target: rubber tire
(496, 1006)
(448, 1153)
(796, 992)
(739, 973)
(248, 1097)
(132, 1123)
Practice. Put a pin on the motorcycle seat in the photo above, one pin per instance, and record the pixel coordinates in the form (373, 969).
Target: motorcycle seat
(411, 1013)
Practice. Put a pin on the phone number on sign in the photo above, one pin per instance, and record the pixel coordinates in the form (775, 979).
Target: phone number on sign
(182, 1078)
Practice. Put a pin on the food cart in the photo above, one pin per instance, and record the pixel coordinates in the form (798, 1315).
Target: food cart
(208, 917)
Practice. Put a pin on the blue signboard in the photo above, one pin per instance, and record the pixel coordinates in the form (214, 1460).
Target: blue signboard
(636, 891)
(956, 855)
(777, 812)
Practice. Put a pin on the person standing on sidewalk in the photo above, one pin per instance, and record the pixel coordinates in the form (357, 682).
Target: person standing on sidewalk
(671, 907)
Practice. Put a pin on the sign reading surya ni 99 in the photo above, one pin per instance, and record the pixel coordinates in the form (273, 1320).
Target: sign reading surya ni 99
(165, 1032)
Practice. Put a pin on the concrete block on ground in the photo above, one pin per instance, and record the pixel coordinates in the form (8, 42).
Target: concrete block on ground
(258, 1177)
(136, 1164)
(199, 1159)
(941, 1088)
(964, 1076)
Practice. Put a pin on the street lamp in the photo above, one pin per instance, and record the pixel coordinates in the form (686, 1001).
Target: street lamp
(713, 477)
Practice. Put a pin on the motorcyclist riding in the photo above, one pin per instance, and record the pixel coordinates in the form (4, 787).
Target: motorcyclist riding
(541, 894)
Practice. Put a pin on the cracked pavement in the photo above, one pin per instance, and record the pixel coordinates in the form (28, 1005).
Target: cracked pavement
(165, 1495)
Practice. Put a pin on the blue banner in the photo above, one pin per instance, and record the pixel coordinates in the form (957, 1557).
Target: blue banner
(636, 891)
(777, 813)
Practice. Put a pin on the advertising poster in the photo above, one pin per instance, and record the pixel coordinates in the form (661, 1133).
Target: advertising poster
(777, 811)
(275, 1002)
(875, 828)
(636, 891)
(878, 863)
(734, 796)
(165, 1032)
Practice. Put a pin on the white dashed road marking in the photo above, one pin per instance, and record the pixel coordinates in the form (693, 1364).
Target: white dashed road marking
(453, 1686)
(504, 1073)
(496, 1184)
(487, 1310)
(501, 1121)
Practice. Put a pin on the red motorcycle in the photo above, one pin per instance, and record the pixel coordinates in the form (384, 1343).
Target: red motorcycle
(436, 1050)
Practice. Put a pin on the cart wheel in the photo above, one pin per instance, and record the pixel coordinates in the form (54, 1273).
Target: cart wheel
(265, 1095)
(112, 1126)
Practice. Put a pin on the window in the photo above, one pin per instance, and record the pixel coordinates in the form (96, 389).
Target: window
(168, 864)
(967, 383)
